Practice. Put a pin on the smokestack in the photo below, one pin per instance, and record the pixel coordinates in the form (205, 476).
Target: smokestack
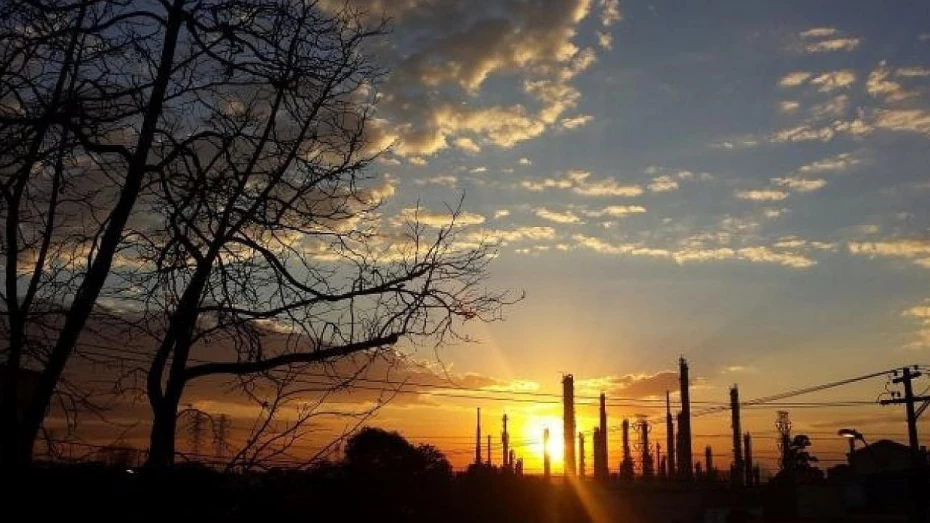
(605, 461)
(546, 463)
(597, 453)
(581, 470)
(737, 474)
(669, 437)
(626, 465)
(646, 456)
(747, 444)
(505, 443)
(489, 450)
(568, 420)
(478, 439)
(684, 424)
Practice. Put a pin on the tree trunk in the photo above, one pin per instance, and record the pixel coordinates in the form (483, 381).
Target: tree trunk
(164, 426)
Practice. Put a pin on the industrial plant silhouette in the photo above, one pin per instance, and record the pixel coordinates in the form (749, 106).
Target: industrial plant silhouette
(383, 477)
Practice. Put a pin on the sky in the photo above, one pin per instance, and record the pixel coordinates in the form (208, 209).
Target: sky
(742, 183)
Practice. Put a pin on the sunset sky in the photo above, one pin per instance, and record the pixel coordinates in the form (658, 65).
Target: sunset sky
(742, 183)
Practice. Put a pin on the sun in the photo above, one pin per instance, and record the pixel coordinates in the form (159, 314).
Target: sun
(533, 432)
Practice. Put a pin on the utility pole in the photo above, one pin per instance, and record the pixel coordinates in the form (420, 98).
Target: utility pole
(907, 376)
(918, 478)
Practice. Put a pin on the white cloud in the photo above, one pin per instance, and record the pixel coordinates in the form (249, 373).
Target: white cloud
(566, 217)
(774, 212)
(579, 182)
(794, 79)
(895, 248)
(439, 219)
(835, 44)
(832, 108)
(478, 170)
(616, 211)
(607, 187)
(912, 72)
(525, 161)
(798, 184)
(763, 195)
(879, 85)
(839, 162)
(663, 183)
(446, 180)
(904, 120)
(610, 12)
(417, 160)
(819, 32)
(576, 121)
(605, 40)
(788, 106)
(757, 254)
(468, 145)
(502, 213)
(833, 80)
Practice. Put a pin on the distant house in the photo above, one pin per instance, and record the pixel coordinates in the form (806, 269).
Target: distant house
(883, 456)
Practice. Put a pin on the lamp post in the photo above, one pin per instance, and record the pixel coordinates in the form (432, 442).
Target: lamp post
(852, 435)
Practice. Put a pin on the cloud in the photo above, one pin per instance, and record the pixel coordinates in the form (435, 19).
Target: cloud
(445, 180)
(806, 133)
(920, 313)
(836, 44)
(798, 184)
(837, 163)
(833, 80)
(697, 253)
(610, 12)
(794, 79)
(502, 213)
(578, 182)
(631, 385)
(773, 212)
(566, 217)
(912, 72)
(605, 40)
(616, 211)
(832, 108)
(903, 120)
(468, 145)
(819, 32)
(607, 187)
(894, 248)
(576, 121)
(439, 219)
(417, 161)
(525, 161)
(663, 183)
(458, 47)
(788, 106)
(478, 170)
(879, 85)
(763, 195)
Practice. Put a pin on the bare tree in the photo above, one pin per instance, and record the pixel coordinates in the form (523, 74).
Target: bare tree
(84, 87)
(271, 255)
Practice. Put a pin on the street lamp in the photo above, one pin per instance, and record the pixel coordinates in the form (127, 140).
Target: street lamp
(852, 435)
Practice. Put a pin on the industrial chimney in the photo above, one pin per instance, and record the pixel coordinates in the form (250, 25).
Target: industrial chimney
(684, 424)
(568, 420)
(669, 437)
(478, 439)
(737, 474)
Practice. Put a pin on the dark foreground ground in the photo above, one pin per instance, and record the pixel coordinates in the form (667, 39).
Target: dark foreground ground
(95, 493)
